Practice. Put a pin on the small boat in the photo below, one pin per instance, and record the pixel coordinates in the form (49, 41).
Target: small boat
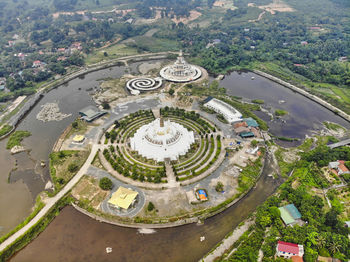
(253, 78)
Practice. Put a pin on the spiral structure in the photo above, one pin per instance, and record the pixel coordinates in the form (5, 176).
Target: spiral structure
(143, 84)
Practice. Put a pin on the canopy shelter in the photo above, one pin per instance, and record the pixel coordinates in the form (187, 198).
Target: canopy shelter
(123, 197)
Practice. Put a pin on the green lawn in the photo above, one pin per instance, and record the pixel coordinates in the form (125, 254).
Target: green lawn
(114, 51)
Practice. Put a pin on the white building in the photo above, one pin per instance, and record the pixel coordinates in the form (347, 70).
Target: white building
(288, 250)
(228, 112)
(160, 140)
(180, 71)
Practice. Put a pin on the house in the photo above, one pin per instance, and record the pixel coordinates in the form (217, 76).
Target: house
(251, 122)
(339, 167)
(289, 250)
(38, 63)
(11, 43)
(347, 224)
(304, 43)
(61, 50)
(61, 58)
(241, 129)
(90, 113)
(290, 214)
(246, 29)
(343, 59)
(239, 124)
(123, 198)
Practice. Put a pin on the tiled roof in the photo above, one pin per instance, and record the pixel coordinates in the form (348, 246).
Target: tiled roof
(288, 247)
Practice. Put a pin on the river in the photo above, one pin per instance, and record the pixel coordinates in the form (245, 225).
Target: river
(73, 236)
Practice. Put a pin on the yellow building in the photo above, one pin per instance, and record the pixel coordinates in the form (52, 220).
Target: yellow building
(123, 197)
(78, 139)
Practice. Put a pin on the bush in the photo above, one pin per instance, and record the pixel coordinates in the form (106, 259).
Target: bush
(150, 206)
(105, 105)
(106, 183)
(219, 187)
(73, 167)
(75, 124)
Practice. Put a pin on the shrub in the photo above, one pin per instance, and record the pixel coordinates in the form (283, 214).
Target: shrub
(106, 183)
(150, 206)
(219, 187)
(73, 167)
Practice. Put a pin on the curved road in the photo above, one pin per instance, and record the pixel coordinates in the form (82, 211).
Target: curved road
(52, 201)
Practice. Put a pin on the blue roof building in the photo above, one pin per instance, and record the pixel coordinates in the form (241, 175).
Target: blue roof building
(251, 122)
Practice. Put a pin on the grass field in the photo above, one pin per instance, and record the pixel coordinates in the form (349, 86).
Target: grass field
(115, 51)
(153, 44)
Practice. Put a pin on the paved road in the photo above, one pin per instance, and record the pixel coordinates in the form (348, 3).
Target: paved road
(52, 201)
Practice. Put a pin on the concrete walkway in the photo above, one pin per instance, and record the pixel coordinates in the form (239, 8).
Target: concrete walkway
(52, 201)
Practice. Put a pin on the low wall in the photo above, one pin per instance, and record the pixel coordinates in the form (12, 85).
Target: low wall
(306, 94)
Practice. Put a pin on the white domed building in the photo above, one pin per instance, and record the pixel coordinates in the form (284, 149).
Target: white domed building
(180, 71)
(160, 140)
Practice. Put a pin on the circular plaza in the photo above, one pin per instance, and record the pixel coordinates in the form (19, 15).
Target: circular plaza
(174, 147)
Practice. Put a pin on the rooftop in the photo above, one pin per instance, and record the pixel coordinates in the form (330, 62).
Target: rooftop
(123, 197)
(289, 214)
(90, 113)
(287, 247)
(229, 112)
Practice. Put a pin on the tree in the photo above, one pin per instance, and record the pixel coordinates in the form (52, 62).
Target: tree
(75, 124)
(105, 105)
(105, 183)
(219, 187)
(150, 206)
(171, 91)
(254, 143)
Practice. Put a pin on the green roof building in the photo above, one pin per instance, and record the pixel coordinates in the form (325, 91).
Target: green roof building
(90, 113)
(289, 214)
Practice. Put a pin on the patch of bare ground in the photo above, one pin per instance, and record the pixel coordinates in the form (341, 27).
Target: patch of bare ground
(276, 6)
(111, 90)
(141, 21)
(338, 133)
(224, 4)
(87, 189)
(193, 16)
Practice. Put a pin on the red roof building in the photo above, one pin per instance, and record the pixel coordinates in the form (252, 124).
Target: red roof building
(288, 250)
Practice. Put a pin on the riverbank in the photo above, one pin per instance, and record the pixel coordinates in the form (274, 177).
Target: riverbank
(227, 243)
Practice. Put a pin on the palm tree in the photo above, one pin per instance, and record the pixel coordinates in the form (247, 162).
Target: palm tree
(334, 246)
(321, 241)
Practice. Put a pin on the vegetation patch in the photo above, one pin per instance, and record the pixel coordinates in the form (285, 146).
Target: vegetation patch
(87, 190)
(64, 165)
(280, 112)
(16, 138)
(332, 126)
(5, 130)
